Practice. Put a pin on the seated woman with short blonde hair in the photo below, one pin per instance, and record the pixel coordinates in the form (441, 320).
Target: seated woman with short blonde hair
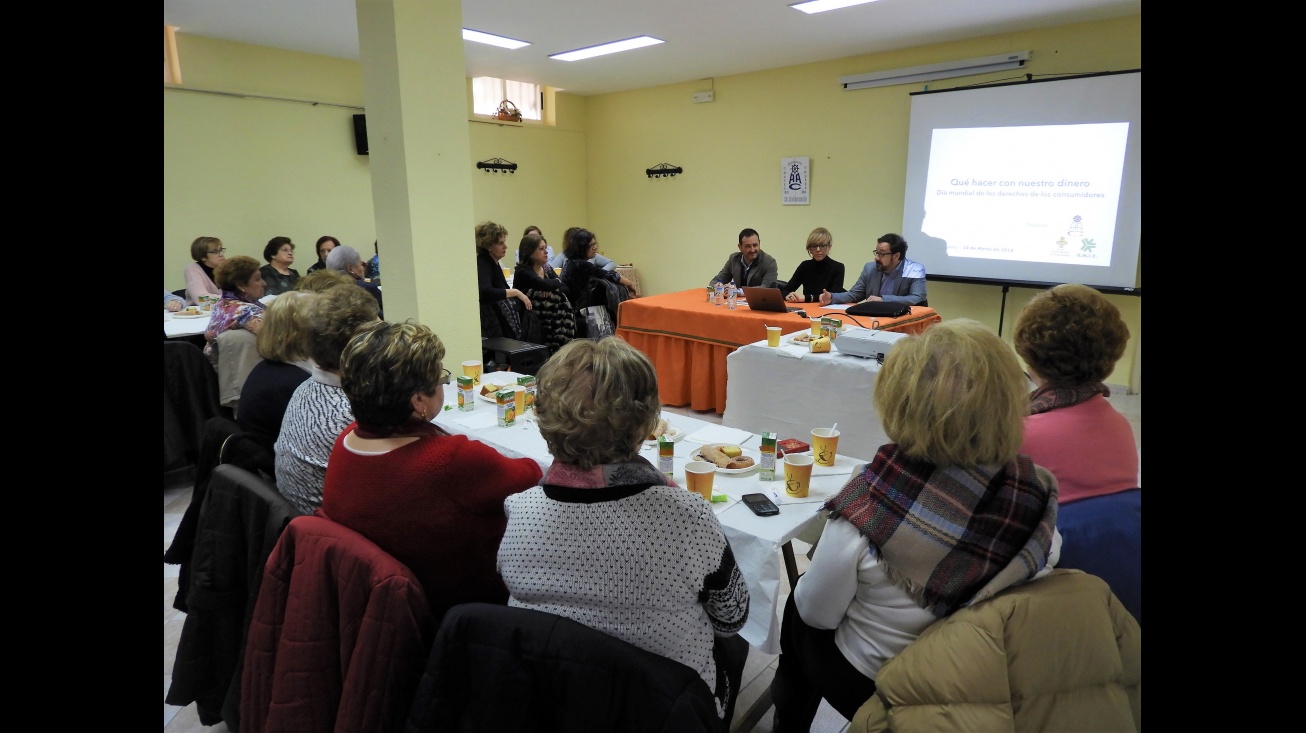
(654, 567)
(947, 515)
(283, 344)
(432, 500)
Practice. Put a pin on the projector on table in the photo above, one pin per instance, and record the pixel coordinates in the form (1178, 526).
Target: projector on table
(867, 343)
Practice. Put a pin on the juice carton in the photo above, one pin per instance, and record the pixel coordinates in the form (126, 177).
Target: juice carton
(766, 472)
(830, 327)
(466, 393)
(666, 455)
(506, 400)
(528, 382)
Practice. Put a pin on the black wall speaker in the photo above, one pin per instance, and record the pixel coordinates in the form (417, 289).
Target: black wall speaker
(360, 134)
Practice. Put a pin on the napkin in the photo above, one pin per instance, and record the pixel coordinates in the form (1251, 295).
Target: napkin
(789, 350)
(843, 466)
(719, 434)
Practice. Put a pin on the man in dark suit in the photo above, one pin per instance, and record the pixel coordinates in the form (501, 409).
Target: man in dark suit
(890, 277)
(750, 266)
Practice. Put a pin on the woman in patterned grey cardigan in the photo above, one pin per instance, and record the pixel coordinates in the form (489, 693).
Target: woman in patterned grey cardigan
(611, 542)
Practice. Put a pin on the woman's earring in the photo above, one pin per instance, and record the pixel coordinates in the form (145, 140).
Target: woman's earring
(423, 413)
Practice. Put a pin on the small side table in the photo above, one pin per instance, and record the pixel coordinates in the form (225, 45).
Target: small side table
(630, 273)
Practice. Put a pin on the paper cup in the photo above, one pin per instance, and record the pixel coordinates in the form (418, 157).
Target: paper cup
(472, 368)
(798, 474)
(519, 397)
(773, 336)
(825, 443)
(698, 478)
(816, 327)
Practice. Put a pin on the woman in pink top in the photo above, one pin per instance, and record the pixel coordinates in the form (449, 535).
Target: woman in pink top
(1071, 338)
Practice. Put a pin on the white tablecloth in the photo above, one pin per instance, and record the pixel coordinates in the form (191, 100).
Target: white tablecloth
(768, 391)
(755, 541)
(174, 327)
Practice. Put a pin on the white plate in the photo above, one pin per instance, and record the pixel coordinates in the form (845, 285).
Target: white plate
(674, 433)
(757, 459)
(490, 397)
(179, 314)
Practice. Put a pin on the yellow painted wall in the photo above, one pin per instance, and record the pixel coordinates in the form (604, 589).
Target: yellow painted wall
(247, 170)
(680, 230)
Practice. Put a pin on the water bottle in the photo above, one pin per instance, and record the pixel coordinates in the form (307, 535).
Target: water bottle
(718, 295)
(732, 293)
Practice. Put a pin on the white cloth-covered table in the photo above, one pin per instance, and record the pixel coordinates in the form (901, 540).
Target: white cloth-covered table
(754, 540)
(174, 327)
(766, 390)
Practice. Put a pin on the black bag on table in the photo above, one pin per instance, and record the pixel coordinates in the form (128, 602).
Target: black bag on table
(879, 309)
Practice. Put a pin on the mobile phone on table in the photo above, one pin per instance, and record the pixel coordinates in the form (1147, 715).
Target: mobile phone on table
(760, 505)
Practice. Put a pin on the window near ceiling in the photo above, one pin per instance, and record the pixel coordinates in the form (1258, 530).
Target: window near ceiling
(488, 92)
(171, 64)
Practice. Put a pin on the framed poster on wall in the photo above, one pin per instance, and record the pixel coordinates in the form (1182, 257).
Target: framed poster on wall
(793, 181)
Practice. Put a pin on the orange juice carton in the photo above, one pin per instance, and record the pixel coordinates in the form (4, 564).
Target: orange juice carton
(830, 327)
(506, 400)
(666, 455)
(766, 472)
(466, 393)
(528, 383)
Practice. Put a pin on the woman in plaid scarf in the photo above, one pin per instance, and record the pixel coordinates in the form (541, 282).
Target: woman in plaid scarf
(946, 515)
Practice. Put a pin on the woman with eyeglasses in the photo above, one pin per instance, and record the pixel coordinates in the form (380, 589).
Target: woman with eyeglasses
(241, 286)
(432, 500)
(208, 253)
(817, 274)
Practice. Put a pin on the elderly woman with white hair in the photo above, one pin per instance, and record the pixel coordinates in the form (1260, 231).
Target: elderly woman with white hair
(346, 259)
(656, 569)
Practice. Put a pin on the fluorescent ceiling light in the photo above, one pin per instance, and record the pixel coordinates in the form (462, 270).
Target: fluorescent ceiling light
(493, 40)
(614, 47)
(820, 6)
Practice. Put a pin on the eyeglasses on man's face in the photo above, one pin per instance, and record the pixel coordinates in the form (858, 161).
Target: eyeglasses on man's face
(817, 246)
(879, 254)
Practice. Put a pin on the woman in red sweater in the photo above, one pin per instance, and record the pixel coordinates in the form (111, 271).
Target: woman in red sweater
(432, 500)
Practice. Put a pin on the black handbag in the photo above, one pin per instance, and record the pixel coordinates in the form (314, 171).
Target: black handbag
(879, 309)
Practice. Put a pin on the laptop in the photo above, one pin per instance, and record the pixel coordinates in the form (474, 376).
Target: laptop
(767, 299)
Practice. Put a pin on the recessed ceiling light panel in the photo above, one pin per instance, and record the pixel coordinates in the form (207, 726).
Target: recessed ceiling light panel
(493, 40)
(820, 6)
(614, 47)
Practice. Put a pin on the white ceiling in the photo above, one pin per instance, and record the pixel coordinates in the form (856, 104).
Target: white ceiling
(704, 38)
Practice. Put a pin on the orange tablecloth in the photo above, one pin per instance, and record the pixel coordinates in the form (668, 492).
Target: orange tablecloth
(688, 339)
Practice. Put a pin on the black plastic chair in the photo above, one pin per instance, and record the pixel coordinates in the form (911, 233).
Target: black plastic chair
(515, 669)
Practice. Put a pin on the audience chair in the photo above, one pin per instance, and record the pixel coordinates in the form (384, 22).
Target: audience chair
(235, 352)
(1058, 653)
(338, 637)
(221, 442)
(190, 398)
(241, 519)
(1103, 535)
(505, 669)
